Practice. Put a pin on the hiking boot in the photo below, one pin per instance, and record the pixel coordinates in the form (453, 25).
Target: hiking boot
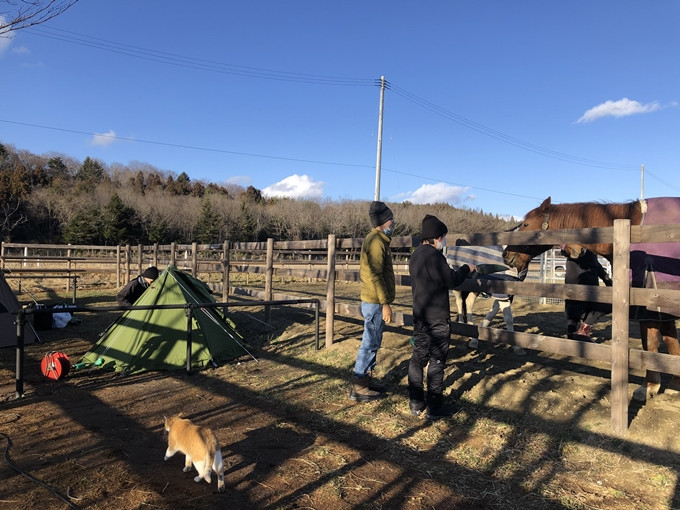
(416, 407)
(360, 391)
(436, 409)
(376, 385)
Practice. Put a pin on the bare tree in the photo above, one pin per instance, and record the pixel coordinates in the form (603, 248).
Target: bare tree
(18, 14)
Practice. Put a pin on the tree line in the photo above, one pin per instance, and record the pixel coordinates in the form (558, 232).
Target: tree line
(53, 198)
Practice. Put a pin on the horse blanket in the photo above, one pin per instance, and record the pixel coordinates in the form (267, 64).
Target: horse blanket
(657, 265)
(481, 256)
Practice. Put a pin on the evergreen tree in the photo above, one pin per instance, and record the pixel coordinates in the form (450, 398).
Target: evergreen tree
(120, 223)
(85, 228)
(208, 228)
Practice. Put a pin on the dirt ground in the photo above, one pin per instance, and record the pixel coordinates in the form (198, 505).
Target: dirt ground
(533, 432)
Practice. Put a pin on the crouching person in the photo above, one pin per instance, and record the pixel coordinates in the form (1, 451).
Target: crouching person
(431, 280)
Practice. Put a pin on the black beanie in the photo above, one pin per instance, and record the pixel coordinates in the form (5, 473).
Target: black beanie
(379, 213)
(150, 273)
(433, 228)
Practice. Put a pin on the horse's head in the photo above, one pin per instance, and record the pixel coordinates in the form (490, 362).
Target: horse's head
(519, 255)
(574, 251)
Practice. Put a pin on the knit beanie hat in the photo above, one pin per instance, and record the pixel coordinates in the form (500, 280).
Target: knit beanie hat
(433, 228)
(150, 273)
(379, 213)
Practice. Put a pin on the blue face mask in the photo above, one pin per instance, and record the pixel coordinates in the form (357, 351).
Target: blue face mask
(388, 231)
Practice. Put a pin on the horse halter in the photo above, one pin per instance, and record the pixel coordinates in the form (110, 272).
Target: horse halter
(544, 226)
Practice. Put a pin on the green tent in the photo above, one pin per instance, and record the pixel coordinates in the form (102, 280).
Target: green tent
(142, 340)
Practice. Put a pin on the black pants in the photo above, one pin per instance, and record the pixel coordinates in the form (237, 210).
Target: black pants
(430, 346)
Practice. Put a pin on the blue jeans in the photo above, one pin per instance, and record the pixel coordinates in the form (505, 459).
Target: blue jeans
(371, 339)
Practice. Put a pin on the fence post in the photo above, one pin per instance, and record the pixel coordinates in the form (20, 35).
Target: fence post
(269, 275)
(118, 266)
(330, 291)
(127, 262)
(620, 326)
(68, 266)
(225, 273)
(155, 254)
(194, 260)
(173, 254)
(140, 258)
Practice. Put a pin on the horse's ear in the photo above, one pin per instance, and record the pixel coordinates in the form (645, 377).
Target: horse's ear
(546, 203)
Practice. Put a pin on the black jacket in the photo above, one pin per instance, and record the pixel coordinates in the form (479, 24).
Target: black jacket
(131, 292)
(431, 280)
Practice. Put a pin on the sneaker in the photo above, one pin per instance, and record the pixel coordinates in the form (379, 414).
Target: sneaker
(583, 330)
(416, 407)
(518, 350)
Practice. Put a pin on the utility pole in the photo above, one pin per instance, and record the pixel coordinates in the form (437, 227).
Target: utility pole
(642, 182)
(380, 123)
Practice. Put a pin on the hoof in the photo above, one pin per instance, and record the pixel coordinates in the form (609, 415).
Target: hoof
(646, 391)
(473, 343)
(519, 351)
(186, 469)
(674, 386)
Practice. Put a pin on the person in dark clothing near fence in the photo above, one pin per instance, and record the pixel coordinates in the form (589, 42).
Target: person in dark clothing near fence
(431, 280)
(581, 315)
(135, 288)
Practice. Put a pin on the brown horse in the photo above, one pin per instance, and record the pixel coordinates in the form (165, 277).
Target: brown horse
(655, 262)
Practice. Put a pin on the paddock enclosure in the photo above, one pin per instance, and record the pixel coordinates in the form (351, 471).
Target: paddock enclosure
(236, 266)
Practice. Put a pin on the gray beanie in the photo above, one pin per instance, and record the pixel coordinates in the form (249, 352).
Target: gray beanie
(379, 213)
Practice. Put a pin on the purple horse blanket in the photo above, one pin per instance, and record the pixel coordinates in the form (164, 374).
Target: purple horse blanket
(657, 265)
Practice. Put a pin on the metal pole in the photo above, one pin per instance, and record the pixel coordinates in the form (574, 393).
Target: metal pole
(190, 316)
(380, 124)
(21, 320)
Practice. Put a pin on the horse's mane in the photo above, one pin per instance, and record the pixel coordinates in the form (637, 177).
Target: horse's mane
(590, 214)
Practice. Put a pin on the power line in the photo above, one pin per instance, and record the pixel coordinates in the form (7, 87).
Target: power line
(191, 62)
(248, 154)
(480, 128)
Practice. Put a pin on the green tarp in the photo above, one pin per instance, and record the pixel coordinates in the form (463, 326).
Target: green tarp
(142, 340)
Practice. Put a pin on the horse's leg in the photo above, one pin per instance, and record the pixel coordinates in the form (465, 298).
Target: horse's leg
(506, 307)
(458, 295)
(669, 332)
(649, 334)
(473, 343)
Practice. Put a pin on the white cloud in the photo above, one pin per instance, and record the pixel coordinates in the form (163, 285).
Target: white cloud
(295, 186)
(6, 38)
(104, 139)
(21, 50)
(621, 108)
(435, 193)
(239, 180)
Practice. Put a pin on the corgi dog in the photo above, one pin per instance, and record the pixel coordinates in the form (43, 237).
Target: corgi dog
(199, 445)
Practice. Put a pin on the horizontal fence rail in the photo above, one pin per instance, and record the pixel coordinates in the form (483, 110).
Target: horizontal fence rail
(336, 260)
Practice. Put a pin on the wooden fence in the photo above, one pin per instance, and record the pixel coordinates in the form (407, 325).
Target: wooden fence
(333, 260)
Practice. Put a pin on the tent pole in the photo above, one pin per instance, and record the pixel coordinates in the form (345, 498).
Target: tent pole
(21, 320)
(190, 316)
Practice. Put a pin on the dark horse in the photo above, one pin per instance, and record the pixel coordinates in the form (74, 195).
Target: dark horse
(656, 264)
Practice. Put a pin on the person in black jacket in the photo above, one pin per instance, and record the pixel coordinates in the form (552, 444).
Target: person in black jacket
(431, 280)
(135, 288)
(581, 315)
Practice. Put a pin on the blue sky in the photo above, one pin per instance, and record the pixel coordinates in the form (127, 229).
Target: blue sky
(490, 105)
